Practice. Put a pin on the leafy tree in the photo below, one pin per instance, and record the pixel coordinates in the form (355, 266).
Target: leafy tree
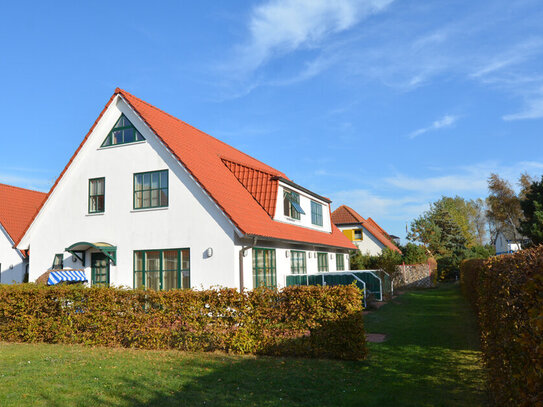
(503, 207)
(438, 231)
(532, 207)
(413, 254)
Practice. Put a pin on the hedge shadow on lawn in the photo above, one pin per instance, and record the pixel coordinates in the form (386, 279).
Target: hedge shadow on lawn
(435, 366)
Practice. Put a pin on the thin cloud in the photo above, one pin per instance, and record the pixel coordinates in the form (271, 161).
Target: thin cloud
(533, 110)
(279, 27)
(444, 122)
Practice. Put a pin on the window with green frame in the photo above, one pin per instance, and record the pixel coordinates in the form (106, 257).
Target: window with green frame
(291, 204)
(123, 132)
(297, 262)
(322, 261)
(151, 189)
(264, 269)
(97, 195)
(58, 261)
(162, 269)
(340, 262)
(316, 213)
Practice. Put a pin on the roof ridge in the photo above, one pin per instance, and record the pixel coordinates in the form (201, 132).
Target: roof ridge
(24, 189)
(122, 91)
(354, 214)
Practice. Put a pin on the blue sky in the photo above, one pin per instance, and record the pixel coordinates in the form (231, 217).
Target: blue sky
(382, 105)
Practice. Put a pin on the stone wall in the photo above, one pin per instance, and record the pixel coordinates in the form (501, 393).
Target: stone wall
(416, 275)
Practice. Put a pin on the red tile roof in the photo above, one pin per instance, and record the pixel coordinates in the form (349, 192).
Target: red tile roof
(260, 184)
(236, 182)
(17, 207)
(348, 216)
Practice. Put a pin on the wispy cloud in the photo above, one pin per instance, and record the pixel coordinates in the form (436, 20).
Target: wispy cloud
(445, 121)
(278, 27)
(533, 110)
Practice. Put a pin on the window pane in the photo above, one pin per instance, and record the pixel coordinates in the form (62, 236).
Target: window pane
(152, 261)
(138, 179)
(155, 177)
(139, 137)
(163, 197)
(164, 179)
(128, 135)
(117, 137)
(152, 280)
(138, 279)
(146, 199)
(185, 259)
(99, 186)
(146, 181)
(170, 260)
(155, 195)
(107, 142)
(100, 203)
(138, 261)
(170, 279)
(186, 279)
(138, 200)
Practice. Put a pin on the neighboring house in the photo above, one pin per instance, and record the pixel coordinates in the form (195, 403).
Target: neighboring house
(366, 234)
(506, 243)
(150, 201)
(17, 207)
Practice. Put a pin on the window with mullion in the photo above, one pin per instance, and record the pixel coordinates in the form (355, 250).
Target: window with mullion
(322, 261)
(123, 132)
(97, 195)
(162, 269)
(264, 268)
(297, 262)
(151, 189)
(291, 199)
(316, 213)
(340, 262)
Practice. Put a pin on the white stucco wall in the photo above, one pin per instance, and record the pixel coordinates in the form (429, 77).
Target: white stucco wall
(305, 203)
(191, 219)
(12, 263)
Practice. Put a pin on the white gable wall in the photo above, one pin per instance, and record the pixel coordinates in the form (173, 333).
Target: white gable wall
(369, 243)
(191, 219)
(12, 263)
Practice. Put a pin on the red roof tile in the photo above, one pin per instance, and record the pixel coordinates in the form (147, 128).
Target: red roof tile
(261, 185)
(348, 216)
(17, 207)
(234, 180)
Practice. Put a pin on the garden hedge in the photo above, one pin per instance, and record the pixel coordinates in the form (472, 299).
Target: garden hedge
(508, 294)
(310, 321)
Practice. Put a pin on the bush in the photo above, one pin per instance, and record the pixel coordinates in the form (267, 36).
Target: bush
(310, 321)
(506, 291)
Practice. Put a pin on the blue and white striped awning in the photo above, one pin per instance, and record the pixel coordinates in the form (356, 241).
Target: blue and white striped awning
(71, 275)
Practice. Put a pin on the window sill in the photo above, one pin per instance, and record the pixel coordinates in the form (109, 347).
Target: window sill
(121, 145)
(161, 208)
(96, 214)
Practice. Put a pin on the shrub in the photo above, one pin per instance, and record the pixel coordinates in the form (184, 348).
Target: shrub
(506, 290)
(310, 321)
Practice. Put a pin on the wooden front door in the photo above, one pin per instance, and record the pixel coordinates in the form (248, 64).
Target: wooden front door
(99, 269)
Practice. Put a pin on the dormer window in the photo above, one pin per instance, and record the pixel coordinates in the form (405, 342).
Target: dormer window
(123, 132)
(291, 204)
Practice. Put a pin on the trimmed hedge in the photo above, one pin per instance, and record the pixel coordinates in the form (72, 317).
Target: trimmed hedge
(310, 321)
(508, 293)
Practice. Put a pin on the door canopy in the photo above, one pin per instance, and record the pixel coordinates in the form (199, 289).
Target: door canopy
(108, 249)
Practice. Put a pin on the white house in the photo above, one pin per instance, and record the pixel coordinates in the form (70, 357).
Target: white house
(17, 207)
(150, 201)
(506, 244)
(366, 234)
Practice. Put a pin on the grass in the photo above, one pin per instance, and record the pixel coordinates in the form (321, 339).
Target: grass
(430, 358)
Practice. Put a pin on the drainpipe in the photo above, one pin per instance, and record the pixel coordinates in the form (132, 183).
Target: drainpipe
(241, 256)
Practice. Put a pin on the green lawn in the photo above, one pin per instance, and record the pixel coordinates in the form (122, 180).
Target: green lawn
(429, 359)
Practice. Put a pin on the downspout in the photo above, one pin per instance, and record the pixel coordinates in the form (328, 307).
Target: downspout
(242, 252)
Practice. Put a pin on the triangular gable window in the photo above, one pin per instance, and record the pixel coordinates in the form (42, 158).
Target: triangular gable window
(122, 133)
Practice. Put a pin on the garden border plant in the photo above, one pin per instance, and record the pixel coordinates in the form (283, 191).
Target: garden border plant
(310, 321)
(506, 292)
